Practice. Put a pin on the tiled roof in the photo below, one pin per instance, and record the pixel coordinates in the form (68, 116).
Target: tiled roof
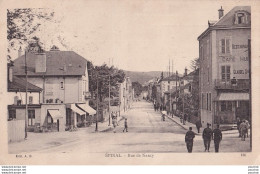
(55, 62)
(19, 84)
(227, 21)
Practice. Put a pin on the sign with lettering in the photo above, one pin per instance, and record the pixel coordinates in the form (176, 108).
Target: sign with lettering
(239, 46)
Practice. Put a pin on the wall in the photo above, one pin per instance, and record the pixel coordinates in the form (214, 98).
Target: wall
(238, 58)
(71, 93)
(21, 96)
(16, 130)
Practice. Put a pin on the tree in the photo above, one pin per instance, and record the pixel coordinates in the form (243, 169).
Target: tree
(101, 75)
(154, 92)
(138, 88)
(22, 25)
(195, 64)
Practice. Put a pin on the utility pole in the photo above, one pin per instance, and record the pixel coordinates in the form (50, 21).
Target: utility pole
(250, 91)
(97, 107)
(109, 114)
(26, 93)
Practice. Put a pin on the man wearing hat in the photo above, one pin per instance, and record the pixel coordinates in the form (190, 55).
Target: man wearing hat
(190, 135)
(206, 135)
(217, 137)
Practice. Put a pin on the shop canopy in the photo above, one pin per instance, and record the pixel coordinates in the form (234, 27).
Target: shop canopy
(55, 114)
(87, 108)
(232, 97)
(77, 110)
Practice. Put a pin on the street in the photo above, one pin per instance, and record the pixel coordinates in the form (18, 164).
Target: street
(146, 133)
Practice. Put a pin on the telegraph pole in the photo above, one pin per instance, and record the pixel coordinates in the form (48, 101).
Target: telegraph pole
(26, 93)
(97, 108)
(250, 91)
(109, 114)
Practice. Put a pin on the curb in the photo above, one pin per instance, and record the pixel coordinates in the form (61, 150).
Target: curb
(180, 124)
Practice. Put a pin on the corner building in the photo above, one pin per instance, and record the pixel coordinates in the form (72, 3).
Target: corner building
(224, 68)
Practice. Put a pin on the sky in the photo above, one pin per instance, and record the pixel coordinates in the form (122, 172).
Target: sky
(132, 35)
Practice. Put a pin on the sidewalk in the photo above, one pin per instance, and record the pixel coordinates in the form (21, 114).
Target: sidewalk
(187, 124)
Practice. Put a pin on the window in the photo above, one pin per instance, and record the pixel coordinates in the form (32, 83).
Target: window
(207, 101)
(202, 101)
(61, 85)
(226, 106)
(241, 18)
(223, 106)
(225, 45)
(225, 73)
(208, 74)
(12, 114)
(210, 101)
(30, 100)
(31, 117)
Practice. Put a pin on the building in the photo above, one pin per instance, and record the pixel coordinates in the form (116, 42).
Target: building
(16, 101)
(125, 94)
(224, 67)
(63, 78)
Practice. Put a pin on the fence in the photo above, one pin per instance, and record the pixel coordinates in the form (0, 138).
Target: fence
(16, 130)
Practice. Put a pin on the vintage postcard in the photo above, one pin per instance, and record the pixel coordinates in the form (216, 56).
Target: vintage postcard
(129, 82)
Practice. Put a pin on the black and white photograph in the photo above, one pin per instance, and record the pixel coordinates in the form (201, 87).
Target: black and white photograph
(129, 82)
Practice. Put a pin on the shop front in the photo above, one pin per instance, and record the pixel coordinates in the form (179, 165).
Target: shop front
(229, 106)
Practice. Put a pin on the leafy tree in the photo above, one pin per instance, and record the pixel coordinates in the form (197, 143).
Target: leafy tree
(22, 25)
(195, 64)
(154, 92)
(137, 87)
(101, 75)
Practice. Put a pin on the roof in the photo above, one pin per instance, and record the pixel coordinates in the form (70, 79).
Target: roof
(19, 84)
(227, 21)
(55, 62)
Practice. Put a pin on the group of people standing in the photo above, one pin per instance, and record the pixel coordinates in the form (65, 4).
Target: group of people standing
(242, 127)
(207, 136)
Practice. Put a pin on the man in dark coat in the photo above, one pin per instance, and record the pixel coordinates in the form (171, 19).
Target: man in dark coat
(217, 137)
(125, 128)
(198, 125)
(206, 135)
(190, 135)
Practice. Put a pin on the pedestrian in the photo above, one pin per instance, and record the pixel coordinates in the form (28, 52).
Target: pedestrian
(206, 135)
(217, 137)
(243, 128)
(184, 118)
(198, 125)
(163, 117)
(190, 135)
(125, 129)
(238, 126)
(247, 128)
(181, 118)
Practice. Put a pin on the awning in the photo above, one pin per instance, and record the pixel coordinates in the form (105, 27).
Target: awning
(232, 97)
(87, 108)
(55, 114)
(77, 110)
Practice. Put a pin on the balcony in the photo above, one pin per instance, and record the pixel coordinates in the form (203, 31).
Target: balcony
(87, 95)
(238, 84)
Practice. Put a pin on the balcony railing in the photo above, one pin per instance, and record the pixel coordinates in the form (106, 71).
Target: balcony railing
(238, 84)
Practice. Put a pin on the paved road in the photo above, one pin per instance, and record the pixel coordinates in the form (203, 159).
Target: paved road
(147, 133)
(143, 119)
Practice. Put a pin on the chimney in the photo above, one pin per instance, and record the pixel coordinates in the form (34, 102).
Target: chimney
(20, 52)
(186, 71)
(220, 12)
(40, 63)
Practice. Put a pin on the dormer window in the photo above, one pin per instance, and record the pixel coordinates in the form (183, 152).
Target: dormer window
(240, 18)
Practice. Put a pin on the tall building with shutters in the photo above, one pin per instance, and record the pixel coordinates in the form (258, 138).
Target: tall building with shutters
(224, 67)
